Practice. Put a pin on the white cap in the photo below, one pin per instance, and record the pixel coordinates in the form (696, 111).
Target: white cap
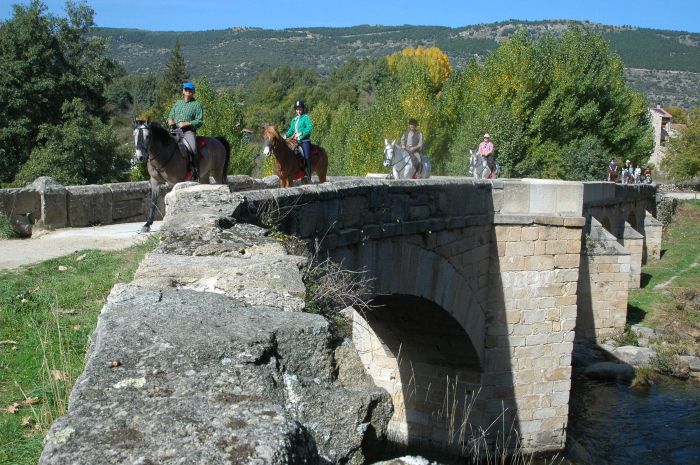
(487, 136)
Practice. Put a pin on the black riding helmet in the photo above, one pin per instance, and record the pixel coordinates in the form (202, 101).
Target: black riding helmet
(300, 104)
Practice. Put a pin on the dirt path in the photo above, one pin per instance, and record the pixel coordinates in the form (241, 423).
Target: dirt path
(17, 252)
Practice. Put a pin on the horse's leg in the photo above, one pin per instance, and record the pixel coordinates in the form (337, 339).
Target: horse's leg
(152, 207)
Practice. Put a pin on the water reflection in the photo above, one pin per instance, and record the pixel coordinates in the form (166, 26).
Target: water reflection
(620, 425)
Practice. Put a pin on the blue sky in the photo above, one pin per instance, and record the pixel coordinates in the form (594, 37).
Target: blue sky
(181, 15)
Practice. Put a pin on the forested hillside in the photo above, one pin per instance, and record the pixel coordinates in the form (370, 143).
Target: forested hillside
(555, 97)
(664, 65)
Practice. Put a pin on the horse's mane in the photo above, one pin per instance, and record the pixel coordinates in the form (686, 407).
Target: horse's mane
(273, 129)
(159, 132)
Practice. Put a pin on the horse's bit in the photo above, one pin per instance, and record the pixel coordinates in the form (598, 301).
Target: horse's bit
(405, 161)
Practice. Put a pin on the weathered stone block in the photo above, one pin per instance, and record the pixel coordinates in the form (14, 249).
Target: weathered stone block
(89, 205)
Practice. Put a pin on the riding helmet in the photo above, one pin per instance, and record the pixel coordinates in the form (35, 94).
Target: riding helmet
(299, 104)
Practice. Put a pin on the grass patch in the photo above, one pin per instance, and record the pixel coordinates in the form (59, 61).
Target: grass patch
(626, 337)
(676, 274)
(6, 231)
(47, 312)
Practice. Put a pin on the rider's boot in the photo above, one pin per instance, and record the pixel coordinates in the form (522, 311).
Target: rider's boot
(308, 170)
(195, 167)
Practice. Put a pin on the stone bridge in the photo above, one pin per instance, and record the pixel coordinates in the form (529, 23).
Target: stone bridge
(477, 291)
(480, 289)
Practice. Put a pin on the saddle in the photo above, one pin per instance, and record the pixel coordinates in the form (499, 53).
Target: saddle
(193, 153)
(299, 153)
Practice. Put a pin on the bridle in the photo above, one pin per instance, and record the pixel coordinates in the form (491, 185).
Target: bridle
(270, 146)
(392, 164)
(143, 144)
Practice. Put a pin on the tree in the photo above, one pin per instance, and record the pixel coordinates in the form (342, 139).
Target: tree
(682, 160)
(168, 87)
(544, 102)
(45, 62)
(679, 115)
(433, 59)
(223, 117)
(80, 150)
(175, 74)
(271, 95)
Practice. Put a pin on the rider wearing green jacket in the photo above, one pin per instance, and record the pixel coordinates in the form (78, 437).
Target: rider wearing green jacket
(187, 115)
(300, 130)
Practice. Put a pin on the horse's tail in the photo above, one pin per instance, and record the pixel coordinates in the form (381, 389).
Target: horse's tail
(227, 146)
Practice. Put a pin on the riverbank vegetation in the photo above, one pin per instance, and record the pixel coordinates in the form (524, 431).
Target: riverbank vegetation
(669, 299)
(47, 313)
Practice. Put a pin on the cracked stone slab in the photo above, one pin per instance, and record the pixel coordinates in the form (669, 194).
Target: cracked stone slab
(185, 377)
(257, 279)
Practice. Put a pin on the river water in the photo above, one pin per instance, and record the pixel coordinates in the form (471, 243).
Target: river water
(621, 425)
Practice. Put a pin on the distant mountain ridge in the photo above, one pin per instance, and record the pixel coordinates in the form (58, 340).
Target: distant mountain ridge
(664, 65)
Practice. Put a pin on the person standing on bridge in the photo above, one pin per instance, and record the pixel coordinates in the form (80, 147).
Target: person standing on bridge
(486, 150)
(412, 142)
(185, 117)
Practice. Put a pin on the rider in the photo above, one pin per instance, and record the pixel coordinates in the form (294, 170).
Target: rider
(612, 170)
(412, 142)
(629, 177)
(187, 115)
(300, 130)
(486, 151)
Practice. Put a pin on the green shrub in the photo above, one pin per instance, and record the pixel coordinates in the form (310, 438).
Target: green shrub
(6, 231)
(626, 337)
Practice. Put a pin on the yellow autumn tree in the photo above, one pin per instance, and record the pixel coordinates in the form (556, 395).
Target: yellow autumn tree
(434, 60)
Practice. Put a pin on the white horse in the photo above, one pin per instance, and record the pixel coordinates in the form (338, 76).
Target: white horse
(399, 160)
(479, 168)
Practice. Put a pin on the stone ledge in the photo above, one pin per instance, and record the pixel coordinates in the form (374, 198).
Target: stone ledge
(517, 219)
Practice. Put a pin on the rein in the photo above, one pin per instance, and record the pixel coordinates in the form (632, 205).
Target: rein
(148, 150)
(405, 160)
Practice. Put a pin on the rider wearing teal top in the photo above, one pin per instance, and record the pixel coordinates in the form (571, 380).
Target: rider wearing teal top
(301, 125)
(300, 130)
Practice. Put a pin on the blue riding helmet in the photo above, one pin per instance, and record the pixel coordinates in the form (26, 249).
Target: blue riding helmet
(188, 85)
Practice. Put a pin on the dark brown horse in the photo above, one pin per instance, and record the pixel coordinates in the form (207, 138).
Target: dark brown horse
(167, 162)
(288, 165)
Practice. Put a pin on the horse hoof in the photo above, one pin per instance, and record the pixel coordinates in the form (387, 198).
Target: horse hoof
(145, 229)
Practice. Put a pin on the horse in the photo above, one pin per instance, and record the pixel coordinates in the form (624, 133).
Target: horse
(479, 168)
(401, 163)
(288, 165)
(168, 163)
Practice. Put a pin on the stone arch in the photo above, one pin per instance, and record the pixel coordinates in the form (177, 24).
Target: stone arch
(405, 267)
(422, 356)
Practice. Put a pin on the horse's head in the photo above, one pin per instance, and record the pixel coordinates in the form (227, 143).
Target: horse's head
(388, 152)
(271, 136)
(142, 140)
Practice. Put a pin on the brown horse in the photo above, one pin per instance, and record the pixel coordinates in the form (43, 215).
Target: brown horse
(288, 165)
(168, 163)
